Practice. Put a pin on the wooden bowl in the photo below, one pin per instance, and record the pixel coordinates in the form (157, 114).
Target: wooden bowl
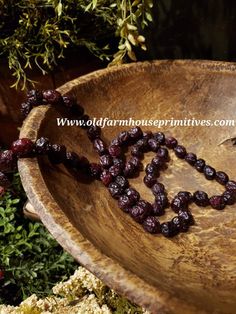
(194, 272)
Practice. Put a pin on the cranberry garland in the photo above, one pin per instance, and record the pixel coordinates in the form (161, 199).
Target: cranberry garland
(114, 171)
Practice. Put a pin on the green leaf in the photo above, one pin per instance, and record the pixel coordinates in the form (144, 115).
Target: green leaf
(132, 56)
(59, 9)
(15, 201)
(94, 4)
(148, 16)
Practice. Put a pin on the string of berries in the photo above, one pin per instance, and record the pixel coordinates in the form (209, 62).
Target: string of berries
(114, 170)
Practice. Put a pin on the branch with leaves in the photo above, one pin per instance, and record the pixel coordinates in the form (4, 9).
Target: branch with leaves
(36, 33)
(133, 14)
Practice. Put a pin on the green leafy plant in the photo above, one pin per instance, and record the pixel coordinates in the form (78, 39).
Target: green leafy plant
(31, 261)
(35, 33)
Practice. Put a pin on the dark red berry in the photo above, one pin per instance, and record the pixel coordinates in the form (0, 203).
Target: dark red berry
(99, 146)
(25, 109)
(2, 190)
(171, 142)
(186, 195)
(135, 133)
(153, 145)
(115, 170)
(136, 151)
(147, 135)
(162, 200)
(115, 142)
(125, 203)
(229, 197)
(4, 181)
(115, 190)
(201, 198)
(191, 158)
(180, 151)
(106, 161)
(23, 147)
(143, 145)
(179, 224)
(217, 202)
(120, 162)
(179, 203)
(2, 274)
(7, 161)
(69, 101)
(149, 180)
(35, 97)
(158, 188)
(123, 137)
(186, 216)
(57, 154)
(163, 154)
(158, 162)
(130, 169)
(231, 186)
(140, 211)
(209, 172)
(221, 177)
(167, 229)
(151, 225)
(159, 137)
(95, 170)
(114, 150)
(42, 146)
(151, 169)
(176, 221)
(122, 181)
(52, 96)
(158, 209)
(93, 132)
(199, 165)
(136, 162)
(72, 160)
(106, 177)
(133, 195)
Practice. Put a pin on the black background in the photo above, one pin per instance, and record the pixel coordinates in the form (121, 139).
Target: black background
(192, 29)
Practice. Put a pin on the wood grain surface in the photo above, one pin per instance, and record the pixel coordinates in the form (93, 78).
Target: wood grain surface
(191, 273)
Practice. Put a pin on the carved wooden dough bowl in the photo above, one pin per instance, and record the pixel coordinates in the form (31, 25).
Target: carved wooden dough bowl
(191, 273)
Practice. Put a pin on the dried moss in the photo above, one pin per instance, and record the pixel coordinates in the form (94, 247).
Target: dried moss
(82, 293)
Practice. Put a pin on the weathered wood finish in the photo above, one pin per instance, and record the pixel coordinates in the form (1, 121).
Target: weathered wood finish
(191, 273)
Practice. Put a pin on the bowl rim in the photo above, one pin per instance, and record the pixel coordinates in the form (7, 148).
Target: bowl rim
(108, 270)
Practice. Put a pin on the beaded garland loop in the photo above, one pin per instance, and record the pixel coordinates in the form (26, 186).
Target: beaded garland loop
(114, 171)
